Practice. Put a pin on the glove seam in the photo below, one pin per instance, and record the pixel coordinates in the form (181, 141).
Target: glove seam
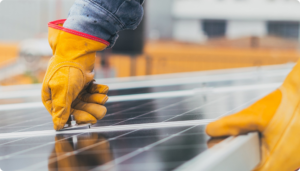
(67, 92)
(56, 69)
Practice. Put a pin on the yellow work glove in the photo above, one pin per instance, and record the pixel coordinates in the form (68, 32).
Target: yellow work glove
(277, 118)
(68, 86)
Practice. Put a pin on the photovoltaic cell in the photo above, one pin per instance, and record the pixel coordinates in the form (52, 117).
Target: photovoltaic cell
(158, 149)
(134, 150)
(166, 150)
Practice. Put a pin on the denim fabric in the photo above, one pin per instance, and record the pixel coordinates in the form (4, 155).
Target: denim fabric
(105, 18)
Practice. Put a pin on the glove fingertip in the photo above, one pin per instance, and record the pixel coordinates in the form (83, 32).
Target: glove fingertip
(105, 100)
(210, 130)
(98, 88)
(218, 129)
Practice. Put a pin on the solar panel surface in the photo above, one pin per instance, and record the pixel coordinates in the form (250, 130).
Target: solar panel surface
(153, 148)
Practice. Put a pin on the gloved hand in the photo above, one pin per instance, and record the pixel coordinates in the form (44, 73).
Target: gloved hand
(68, 86)
(277, 118)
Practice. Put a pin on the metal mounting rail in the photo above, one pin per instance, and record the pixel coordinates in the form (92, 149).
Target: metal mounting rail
(240, 153)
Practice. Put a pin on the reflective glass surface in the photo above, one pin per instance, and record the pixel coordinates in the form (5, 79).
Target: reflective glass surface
(159, 149)
(151, 149)
(196, 107)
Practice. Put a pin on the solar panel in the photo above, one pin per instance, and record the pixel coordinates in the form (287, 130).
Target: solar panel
(159, 127)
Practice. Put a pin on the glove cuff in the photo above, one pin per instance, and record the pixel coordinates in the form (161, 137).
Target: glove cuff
(58, 24)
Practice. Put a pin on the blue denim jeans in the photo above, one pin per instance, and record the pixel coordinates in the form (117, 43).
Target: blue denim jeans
(105, 18)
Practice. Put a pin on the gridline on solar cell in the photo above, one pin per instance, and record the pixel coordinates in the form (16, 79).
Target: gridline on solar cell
(110, 150)
(157, 148)
(206, 106)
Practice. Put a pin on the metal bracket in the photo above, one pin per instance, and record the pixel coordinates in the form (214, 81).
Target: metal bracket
(74, 125)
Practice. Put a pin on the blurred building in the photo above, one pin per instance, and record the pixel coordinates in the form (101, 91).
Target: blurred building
(180, 36)
(159, 19)
(26, 19)
(199, 20)
(184, 20)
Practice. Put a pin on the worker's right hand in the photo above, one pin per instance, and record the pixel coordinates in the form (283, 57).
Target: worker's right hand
(68, 87)
(65, 95)
(88, 106)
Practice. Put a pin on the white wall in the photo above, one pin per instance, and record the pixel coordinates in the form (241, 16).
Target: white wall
(244, 17)
(23, 19)
(238, 9)
(188, 31)
(241, 28)
(159, 19)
